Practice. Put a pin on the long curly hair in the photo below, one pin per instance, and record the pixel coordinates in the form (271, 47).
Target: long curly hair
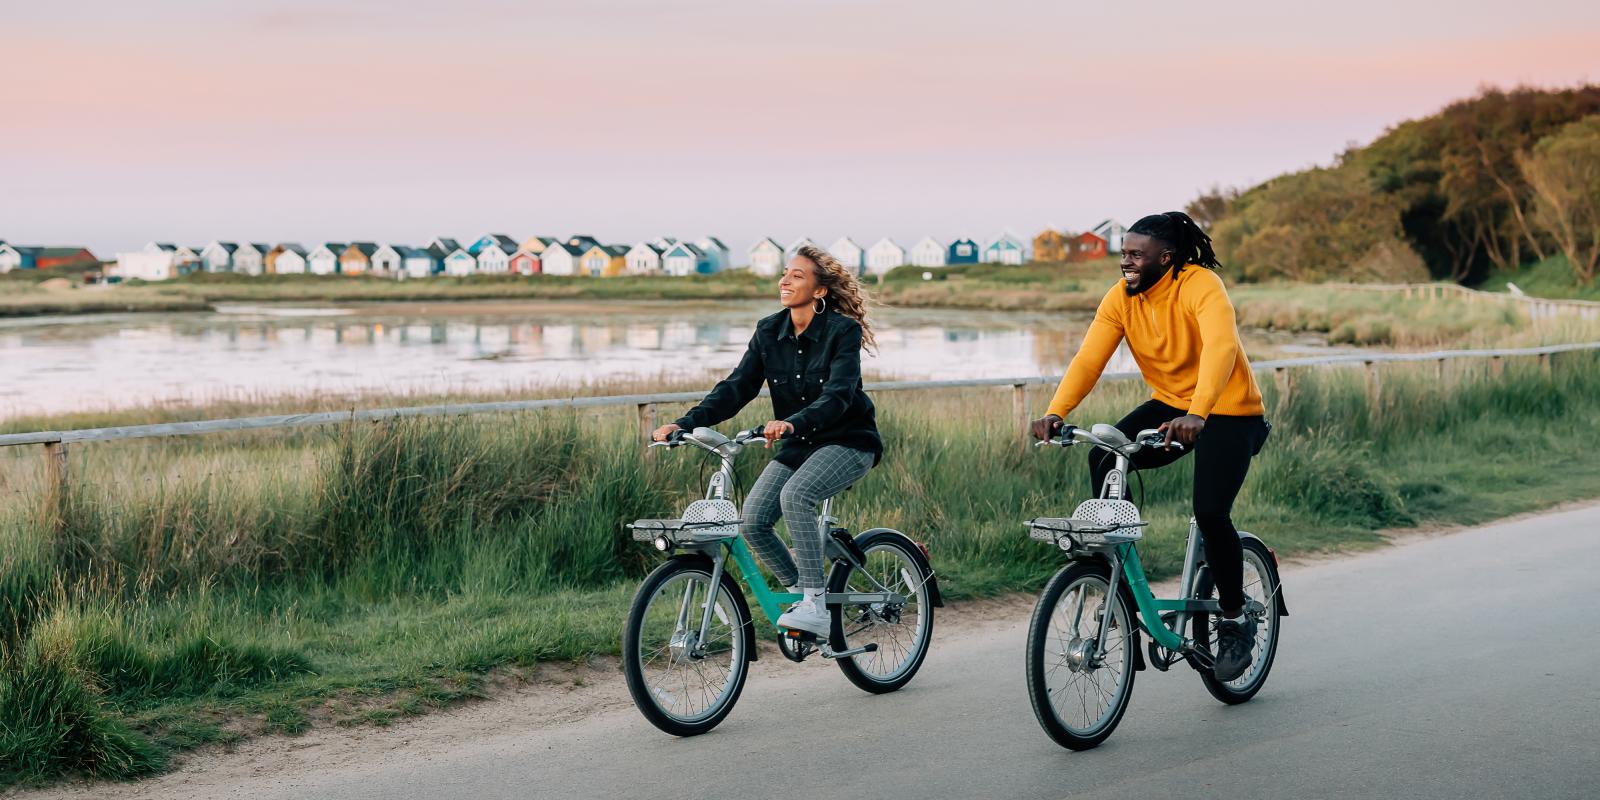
(845, 292)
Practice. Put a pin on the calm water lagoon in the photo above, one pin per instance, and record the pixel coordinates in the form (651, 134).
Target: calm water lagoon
(114, 361)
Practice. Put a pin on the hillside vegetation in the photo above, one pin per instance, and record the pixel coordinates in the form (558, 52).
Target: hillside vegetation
(1487, 185)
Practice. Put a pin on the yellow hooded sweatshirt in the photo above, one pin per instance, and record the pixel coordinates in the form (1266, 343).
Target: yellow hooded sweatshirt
(1182, 333)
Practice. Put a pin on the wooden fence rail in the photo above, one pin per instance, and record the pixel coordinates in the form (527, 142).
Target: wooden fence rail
(55, 443)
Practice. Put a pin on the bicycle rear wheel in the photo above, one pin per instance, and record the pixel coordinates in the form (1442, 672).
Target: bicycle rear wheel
(683, 685)
(1261, 592)
(1078, 691)
(901, 632)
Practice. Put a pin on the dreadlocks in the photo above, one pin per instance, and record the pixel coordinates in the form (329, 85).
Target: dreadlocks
(1178, 233)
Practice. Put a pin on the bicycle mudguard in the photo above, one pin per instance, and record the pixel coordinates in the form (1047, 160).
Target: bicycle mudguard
(738, 598)
(916, 553)
(1277, 579)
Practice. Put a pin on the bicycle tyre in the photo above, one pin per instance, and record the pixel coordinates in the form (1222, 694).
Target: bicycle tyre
(904, 551)
(1091, 574)
(647, 696)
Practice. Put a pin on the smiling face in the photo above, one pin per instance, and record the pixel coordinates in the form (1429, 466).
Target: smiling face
(798, 286)
(1144, 261)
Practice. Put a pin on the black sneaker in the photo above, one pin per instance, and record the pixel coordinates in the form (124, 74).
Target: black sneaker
(1234, 641)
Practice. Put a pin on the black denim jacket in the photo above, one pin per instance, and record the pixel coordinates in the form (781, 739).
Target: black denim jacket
(815, 381)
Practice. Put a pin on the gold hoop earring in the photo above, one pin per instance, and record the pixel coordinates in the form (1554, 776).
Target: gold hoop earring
(823, 301)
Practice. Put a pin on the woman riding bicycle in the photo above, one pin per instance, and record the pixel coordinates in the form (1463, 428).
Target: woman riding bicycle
(1179, 324)
(809, 355)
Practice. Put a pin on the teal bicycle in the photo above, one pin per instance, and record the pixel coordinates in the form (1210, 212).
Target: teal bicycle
(690, 636)
(1084, 641)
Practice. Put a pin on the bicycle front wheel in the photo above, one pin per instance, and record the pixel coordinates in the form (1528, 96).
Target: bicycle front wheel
(683, 683)
(1078, 689)
(901, 631)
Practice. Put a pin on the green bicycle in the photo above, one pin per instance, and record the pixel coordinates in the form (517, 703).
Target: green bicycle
(690, 637)
(1083, 644)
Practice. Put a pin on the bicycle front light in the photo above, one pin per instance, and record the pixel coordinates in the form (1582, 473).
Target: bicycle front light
(662, 544)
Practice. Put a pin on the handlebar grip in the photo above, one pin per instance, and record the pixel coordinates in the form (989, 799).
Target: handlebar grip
(1066, 432)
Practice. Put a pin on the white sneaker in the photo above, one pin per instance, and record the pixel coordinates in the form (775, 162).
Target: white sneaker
(809, 615)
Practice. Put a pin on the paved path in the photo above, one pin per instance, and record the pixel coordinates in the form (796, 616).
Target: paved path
(1461, 666)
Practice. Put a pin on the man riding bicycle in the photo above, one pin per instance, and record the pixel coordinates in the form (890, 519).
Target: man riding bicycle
(1179, 324)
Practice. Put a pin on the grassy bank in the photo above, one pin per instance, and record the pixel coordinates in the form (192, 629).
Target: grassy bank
(209, 588)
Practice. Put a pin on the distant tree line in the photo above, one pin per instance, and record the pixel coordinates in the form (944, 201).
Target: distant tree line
(1491, 183)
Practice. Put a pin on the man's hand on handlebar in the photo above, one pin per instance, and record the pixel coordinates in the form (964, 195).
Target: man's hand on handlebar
(662, 433)
(775, 430)
(1184, 430)
(1045, 428)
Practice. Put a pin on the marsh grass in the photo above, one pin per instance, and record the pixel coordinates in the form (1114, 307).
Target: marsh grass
(206, 588)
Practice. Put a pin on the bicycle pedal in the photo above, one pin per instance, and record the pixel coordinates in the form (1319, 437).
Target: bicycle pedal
(797, 635)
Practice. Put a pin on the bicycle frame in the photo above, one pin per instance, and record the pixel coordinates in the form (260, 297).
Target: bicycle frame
(771, 602)
(1126, 565)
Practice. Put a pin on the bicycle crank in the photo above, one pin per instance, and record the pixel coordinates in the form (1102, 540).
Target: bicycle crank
(827, 652)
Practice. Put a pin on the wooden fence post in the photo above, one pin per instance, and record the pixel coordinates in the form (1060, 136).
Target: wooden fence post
(1280, 376)
(55, 485)
(1497, 366)
(647, 420)
(1438, 370)
(1374, 384)
(1019, 410)
(1544, 364)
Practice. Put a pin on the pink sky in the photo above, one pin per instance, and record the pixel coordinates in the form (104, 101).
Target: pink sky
(628, 119)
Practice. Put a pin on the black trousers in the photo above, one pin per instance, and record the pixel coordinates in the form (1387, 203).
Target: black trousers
(1221, 459)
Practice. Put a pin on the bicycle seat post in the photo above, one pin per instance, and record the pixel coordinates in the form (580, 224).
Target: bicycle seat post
(825, 518)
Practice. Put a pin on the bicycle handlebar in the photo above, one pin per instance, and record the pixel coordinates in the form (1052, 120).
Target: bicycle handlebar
(1147, 438)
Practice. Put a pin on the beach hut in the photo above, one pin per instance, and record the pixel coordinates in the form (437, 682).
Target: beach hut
(1112, 231)
(291, 260)
(525, 261)
(14, 257)
(494, 256)
(1086, 247)
(848, 253)
(884, 256)
(559, 258)
(604, 261)
(963, 251)
(388, 261)
(716, 252)
(644, 258)
(794, 247)
(357, 258)
(218, 256)
(1051, 245)
(1004, 250)
(460, 263)
(325, 259)
(504, 242)
(683, 259)
(251, 258)
(927, 253)
(766, 257)
(536, 244)
(418, 262)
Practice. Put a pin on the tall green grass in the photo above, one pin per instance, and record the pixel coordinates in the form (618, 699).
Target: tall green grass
(206, 588)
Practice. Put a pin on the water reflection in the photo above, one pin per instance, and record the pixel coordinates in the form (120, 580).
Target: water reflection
(97, 362)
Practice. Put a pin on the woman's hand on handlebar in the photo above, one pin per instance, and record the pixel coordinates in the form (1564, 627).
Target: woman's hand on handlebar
(1183, 430)
(661, 433)
(1045, 428)
(775, 430)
